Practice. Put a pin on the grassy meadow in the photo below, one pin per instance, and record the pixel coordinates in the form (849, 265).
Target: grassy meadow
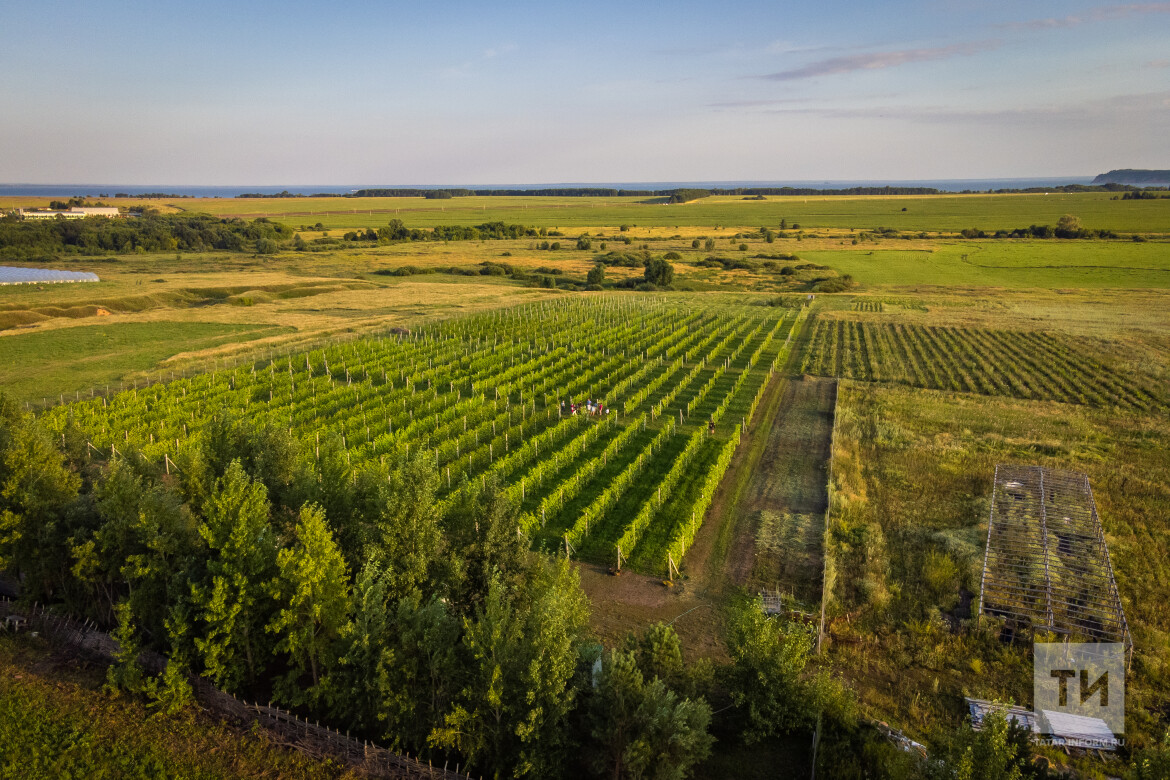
(913, 476)
(903, 212)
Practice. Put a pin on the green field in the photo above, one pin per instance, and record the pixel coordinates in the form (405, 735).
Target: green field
(1010, 264)
(1023, 364)
(905, 212)
(49, 363)
(910, 501)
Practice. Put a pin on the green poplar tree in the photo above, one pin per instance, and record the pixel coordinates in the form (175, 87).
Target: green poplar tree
(522, 650)
(643, 729)
(312, 591)
(425, 673)
(768, 659)
(232, 603)
(36, 493)
(357, 685)
(401, 524)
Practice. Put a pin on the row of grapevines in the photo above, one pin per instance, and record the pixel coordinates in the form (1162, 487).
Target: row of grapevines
(570, 487)
(684, 532)
(641, 521)
(616, 488)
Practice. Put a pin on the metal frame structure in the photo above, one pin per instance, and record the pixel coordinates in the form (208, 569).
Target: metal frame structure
(1047, 565)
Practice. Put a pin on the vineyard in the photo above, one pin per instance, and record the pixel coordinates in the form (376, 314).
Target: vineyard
(505, 396)
(1021, 364)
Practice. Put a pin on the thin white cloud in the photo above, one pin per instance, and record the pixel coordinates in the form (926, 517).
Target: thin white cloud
(1104, 13)
(880, 60)
(1151, 105)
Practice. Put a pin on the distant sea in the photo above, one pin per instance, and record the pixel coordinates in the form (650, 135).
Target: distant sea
(109, 190)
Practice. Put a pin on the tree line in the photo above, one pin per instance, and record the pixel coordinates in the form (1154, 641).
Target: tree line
(34, 239)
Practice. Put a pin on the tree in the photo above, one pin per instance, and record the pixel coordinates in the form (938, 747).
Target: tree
(299, 243)
(146, 543)
(232, 602)
(768, 658)
(1069, 226)
(709, 244)
(125, 673)
(659, 653)
(483, 533)
(643, 729)
(312, 590)
(394, 518)
(659, 272)
(267, 452)
(37, 493)
(596, 275)
(521, 654)
(424, 675)
(1000, 749)
(584, 243)
(357, 684)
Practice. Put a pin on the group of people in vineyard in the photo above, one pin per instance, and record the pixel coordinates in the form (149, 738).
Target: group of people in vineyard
(590, 406)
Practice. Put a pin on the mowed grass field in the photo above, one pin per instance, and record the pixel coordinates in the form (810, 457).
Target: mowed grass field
(906, 212)
(903, 212)
(49, 363)
(1049, 264)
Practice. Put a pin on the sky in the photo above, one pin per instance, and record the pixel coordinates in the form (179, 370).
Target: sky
(452, 92)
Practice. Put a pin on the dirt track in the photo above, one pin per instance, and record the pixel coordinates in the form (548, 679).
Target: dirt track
(790, 485)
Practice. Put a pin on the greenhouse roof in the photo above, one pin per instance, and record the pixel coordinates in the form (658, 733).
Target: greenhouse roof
(13, 275)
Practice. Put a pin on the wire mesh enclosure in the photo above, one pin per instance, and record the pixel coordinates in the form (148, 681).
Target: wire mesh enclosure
(1047, 565)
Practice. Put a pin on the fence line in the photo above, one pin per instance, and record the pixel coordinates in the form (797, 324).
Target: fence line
(298, 733)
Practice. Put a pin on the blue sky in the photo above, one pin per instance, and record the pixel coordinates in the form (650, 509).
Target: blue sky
(471, 93)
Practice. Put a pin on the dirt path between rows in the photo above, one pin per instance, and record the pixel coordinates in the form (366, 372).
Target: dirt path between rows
(781, 516)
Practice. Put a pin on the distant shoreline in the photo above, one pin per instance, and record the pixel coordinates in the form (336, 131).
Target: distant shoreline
(231, 191)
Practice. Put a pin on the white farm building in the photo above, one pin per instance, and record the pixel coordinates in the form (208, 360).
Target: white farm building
(77, 212)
